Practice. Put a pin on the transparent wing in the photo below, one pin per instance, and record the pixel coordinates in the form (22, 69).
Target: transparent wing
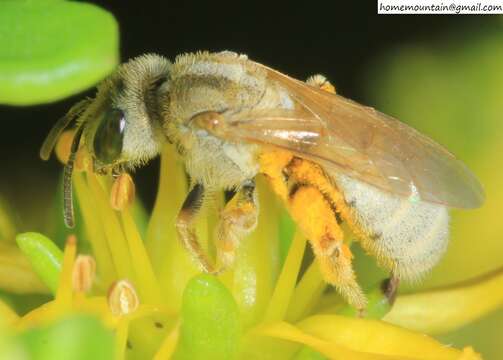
(346, 137)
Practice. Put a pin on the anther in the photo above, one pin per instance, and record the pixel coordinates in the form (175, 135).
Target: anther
(122, 192)
(84, 273)
(122, 298)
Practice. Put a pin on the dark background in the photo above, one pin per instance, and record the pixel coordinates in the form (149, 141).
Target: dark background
(297, 39)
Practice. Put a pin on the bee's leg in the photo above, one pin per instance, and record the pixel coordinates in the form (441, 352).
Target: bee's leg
(390, 288)
(339, 209)
(312, 202)
(186, 229)
(317, 207)
(321, 82)
(238, 219)
(315, 217)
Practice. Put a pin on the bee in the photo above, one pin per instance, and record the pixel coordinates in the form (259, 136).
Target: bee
(329, 159)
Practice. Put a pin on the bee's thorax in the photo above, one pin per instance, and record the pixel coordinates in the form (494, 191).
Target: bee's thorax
(221, 83)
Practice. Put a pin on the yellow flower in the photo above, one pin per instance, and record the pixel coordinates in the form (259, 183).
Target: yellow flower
(148, 293)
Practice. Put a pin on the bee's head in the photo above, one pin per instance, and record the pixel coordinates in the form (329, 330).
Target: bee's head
(121, 126)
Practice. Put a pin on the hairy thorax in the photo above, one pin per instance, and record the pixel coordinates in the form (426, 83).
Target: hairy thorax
(227, 83)
(218, 164)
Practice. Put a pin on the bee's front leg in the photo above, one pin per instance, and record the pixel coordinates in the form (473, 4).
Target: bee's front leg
(237, 220)
(185, 226)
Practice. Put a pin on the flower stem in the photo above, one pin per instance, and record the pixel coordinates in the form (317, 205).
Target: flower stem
(168, 346)
(147, 283)
(285, 285)
(64, 294)
(94, 230)
(307, 293)
(117, 243)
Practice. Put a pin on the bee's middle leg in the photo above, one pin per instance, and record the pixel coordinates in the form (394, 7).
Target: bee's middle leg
(238, 219)
(185, 226)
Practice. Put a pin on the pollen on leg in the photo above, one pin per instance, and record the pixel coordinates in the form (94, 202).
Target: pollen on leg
(272, 165)
(346, 252)
(315, 216)
(321, 82)
(237, 220)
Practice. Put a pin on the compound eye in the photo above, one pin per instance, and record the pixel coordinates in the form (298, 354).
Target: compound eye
(109, 136)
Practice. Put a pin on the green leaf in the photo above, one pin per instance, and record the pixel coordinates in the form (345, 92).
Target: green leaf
(79, 337)
(211, 327)
(53, 49)
(44, 256)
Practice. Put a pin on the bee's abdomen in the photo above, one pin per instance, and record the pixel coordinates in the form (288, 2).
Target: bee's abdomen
(407, 237)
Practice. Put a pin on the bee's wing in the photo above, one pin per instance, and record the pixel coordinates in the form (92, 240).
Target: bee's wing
(346, 137)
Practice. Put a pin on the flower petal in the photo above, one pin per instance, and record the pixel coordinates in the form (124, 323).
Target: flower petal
(333, 350)
(445, 309)
(378, 337)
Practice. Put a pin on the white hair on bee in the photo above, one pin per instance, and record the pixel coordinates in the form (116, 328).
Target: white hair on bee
(317, 80)
(222, 64)
(138, 92)
(139, 73)
(407, 237)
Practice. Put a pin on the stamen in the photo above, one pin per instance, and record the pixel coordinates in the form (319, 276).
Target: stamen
(122, 192)
(84, 273)
(122, 298)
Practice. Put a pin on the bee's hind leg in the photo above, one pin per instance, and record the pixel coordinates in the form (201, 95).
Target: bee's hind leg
(238, 219)
(390, 288)
(312, 206)
(186, 229)
(317, 207)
